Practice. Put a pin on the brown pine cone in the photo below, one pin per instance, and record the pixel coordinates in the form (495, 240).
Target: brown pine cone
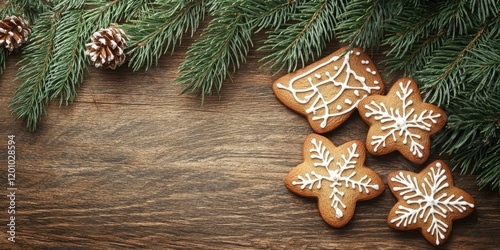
(106, 48)
(14, 32)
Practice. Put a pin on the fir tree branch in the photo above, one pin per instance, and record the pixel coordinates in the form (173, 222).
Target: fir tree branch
(454, 17)
(161, 30)
(11, 7)
(71, 61)
(472, 136)
(411, 53)
(29, 9)
(416, 57)
(54, 64)
(412, 38)
(223, 45)
(271, 14)
(30, 97)
(490, 168)
(362, 21)
(67, 4)
(102, 13)
(408, 27)
(483, 66)
(484, 9)
(445, 74)
(301, 39)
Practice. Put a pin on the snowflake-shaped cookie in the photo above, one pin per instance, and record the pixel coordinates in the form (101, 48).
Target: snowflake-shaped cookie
(328, 91)
(401, 121)
(429, 201)
(335, 176)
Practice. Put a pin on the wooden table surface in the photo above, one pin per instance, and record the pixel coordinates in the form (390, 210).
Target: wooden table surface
(132, 164)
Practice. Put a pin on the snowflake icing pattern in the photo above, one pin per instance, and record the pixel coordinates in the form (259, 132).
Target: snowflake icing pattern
(337, 105)
(401, 121)
(336, 175)
(433, 204)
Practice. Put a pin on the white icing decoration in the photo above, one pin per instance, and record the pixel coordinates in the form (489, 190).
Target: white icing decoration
(401, 119)
(339, 107)
(358, 53)
(337, 174)
(375, 82)
(320, 102)
(365, 62)
(430, 205)
(317, 76)
(373, 72)
(347, 101)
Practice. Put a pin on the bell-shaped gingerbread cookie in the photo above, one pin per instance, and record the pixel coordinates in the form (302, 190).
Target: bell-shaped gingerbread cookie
(328, 91)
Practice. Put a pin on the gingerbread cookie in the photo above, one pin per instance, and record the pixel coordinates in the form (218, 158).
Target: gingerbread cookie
(335, 176)
(328, 91)
(427, 201)
(401, 121)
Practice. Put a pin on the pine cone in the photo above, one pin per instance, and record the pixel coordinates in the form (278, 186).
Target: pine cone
(106, 48)
(14, 32)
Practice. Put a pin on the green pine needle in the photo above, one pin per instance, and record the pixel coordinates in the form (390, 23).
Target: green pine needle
(362, 23)
(71, 61)
(31, 96)
(445, 75)
(223, 45)
(161, 29)
(54, 62)
(304, 37)
(101, 13)
(271, 13)
(472, 136)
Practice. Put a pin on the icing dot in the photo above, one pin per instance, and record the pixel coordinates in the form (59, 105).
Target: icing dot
(351, 52)
(374, 72)
(368, 70)
(317, 76)
(348, 101)
(335, 68)
(438, 164)
(375, 82)
(358, 53)
(430, 201)
(356, 92)
(400, 123)
(365, 62)
(338, 213)
(339, 107)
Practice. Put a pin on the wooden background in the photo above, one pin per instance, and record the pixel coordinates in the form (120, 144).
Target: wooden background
(133, 164)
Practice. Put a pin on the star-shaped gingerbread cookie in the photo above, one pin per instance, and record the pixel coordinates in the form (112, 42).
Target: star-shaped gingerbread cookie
(335, 176)
(401, 121)
(427, 201)
(328, 91)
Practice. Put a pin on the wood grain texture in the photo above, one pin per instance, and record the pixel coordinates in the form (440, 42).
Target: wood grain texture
(131, 164)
